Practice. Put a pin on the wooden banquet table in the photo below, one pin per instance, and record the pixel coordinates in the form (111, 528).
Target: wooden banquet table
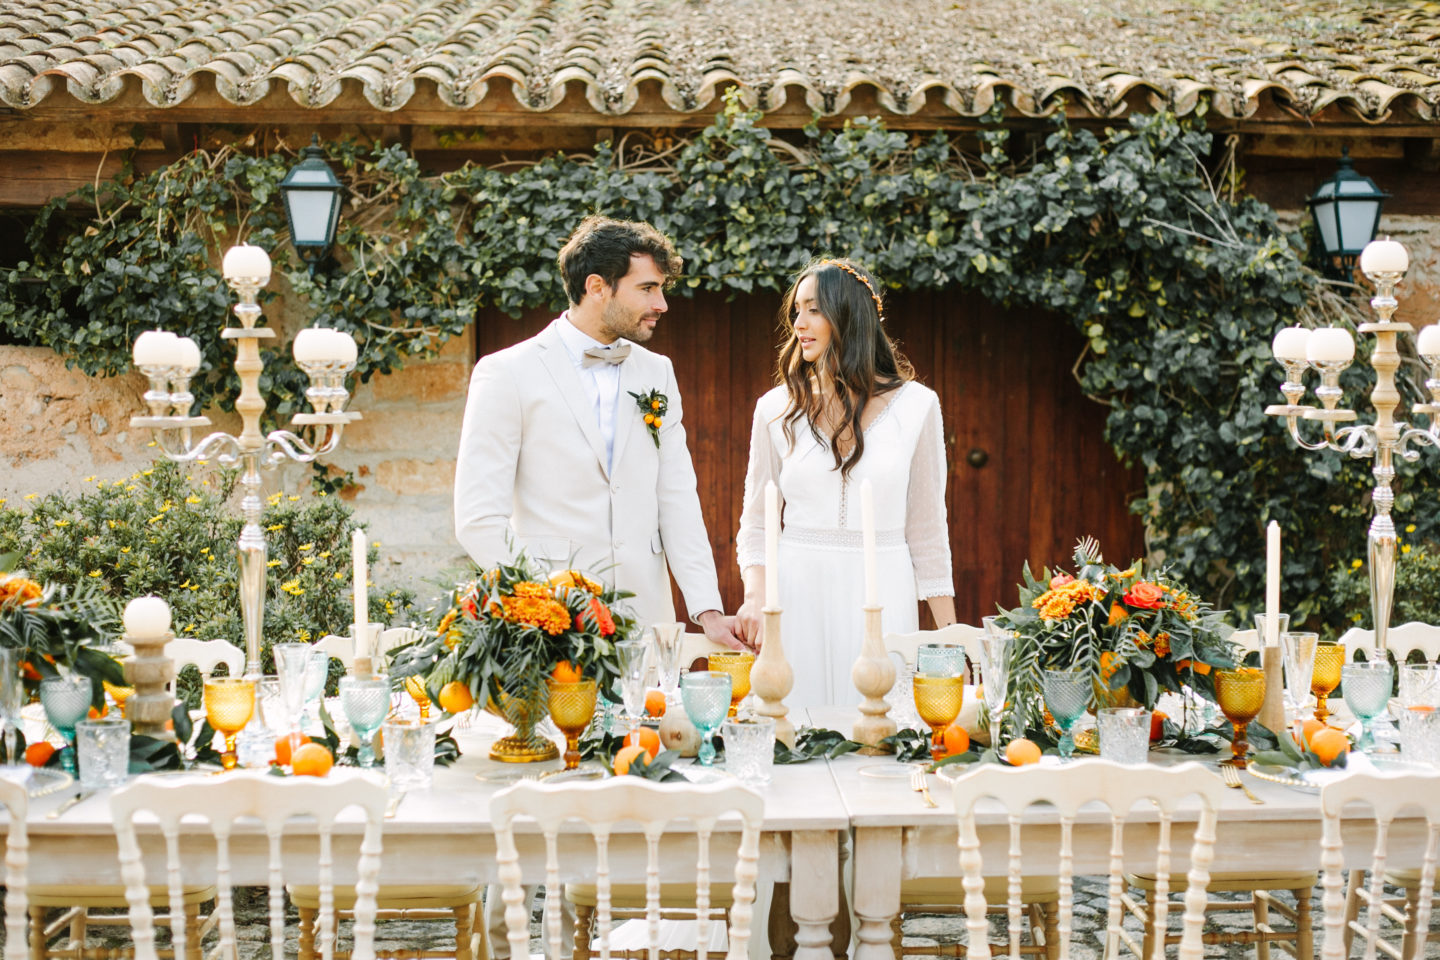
(898, 838)
(444, 835)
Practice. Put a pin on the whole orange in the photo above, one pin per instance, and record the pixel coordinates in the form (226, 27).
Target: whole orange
(654, 703)
(311, 760)
(1328, 744)
(647, 738)
(1309, 728)
(1022, 751)
(628, 755)
(565, 672)
(1157, 726)
(455, 697)
(39, 753)
(285, 746)
(956, 740)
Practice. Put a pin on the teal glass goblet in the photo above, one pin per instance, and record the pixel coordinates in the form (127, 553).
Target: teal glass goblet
(366, 702)
(940, 660)
(1067, 696)
(1367, 692)
(66, 701)
(706, 695)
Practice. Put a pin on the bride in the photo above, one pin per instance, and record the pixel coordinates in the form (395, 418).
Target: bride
(847, 409)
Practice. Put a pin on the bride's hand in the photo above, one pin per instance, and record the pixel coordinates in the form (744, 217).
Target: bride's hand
(748, 624)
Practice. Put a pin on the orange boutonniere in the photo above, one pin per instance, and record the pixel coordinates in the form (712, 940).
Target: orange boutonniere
(653, 407)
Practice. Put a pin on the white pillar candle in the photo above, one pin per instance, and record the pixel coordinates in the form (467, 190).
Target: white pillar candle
(772, 546)
(1289, 343)
(310, 345)
(1330, 345)
(1272, 583)
(346, 350)
(362, 597)
(187, 354)
(156, 348)
(867, 537)
(1429, 343)
(1384, 256)
(147, 617)
(246, 261)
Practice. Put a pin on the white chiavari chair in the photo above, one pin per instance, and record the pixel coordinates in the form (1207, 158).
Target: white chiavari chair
(1167, 790)
(601, 807)
(1384, 797)
(1401, 641)
(17, 864)
(224, 802)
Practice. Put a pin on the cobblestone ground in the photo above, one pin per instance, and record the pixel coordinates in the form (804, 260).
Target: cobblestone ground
(921, 930)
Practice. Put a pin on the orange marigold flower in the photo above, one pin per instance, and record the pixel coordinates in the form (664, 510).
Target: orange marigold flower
(1117, 613)
(1109, 663)
(1162, 645)
(446, 620)
(19, 590)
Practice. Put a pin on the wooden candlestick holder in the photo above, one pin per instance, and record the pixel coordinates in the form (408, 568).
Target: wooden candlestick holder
(873, 675)
(771, 679)
(150, 672)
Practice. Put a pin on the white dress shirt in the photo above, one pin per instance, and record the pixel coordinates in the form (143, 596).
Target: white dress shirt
(600, 380)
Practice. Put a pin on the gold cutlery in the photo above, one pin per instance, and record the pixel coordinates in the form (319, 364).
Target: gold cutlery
(921, 785)
(1231, 776)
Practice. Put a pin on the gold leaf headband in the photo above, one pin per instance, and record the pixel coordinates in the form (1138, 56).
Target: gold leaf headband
(856, 274)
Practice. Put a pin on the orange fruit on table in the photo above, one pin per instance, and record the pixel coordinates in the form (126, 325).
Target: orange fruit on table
(1022, 751)
(646, 738)
(1328, 744)
(39, 753)
(655, 703)
(95, 714)
(455, 697)
(1422, 708)
(311, 760)
(1309, 727)
(628, 755)
(1157, 725)
(957, 740)
(565, 672)
(285, 746)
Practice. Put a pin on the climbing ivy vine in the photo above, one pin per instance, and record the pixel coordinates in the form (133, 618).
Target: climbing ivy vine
(1176, 284)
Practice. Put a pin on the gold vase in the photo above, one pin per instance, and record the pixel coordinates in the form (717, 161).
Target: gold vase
(572, 707)
(524, 745)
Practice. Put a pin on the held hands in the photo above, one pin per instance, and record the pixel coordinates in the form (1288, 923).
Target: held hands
(721, 629)
(749, 624)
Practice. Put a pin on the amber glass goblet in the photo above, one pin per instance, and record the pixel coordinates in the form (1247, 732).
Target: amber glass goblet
(415, 686)
(229, 703)
(1241, 694)
(1329, 658)
(572, 707)
(736, 664)
(938, 700)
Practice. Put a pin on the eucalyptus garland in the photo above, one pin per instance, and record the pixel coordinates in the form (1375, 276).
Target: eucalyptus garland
(1176, 282)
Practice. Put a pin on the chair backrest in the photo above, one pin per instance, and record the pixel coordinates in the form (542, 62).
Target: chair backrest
(601, 806)
(1247, 640)
(342, 648)
(205, 655)
(1069, 788)
(962, 633)
(1401, 640)
(1386, 796)
(17, 863)
(339, 647)
(695, 645)
(271, 800)
(397, 637)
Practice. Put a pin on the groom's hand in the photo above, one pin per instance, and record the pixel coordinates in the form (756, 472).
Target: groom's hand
(720, 629)
(748, 624)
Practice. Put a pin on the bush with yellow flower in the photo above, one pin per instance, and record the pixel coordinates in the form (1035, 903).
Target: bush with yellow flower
(1139, 632)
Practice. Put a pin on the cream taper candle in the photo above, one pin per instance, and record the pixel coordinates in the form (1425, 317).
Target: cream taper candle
(772, 546)
(1272, 583)
(362, 599)
(867, 537)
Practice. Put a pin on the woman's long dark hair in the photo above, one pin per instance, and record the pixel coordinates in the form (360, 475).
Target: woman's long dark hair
(860, 360)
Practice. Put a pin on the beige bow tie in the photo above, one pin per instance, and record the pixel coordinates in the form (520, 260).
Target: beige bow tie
(598, 355)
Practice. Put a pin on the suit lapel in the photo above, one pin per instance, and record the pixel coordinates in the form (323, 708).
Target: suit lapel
(627, 414)
(567, 381)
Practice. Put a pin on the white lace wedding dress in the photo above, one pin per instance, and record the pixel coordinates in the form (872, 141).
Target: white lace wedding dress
(822, 570)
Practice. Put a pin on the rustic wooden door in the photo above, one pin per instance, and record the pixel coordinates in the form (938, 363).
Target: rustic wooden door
(1030, 471)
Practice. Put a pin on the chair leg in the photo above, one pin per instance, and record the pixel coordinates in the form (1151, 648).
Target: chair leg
(307, 934)
(194, 949)
(462, 932)
(1262, 919)
(1052, 934)
(1304, 924)
(1354, 883)
(897, 935)
(1408, 937)
(584, 922)
(37, 933)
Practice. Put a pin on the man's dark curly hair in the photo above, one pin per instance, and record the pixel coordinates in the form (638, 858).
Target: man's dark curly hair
(604, 247)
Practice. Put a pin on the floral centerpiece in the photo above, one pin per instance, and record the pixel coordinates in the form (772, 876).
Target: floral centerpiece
(512, 628)
(54, 626)
(1138, 632)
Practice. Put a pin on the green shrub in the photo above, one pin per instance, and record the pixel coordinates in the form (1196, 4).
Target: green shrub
(1417, 587)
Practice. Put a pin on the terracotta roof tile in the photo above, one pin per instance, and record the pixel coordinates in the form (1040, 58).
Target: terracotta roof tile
(1376, 60)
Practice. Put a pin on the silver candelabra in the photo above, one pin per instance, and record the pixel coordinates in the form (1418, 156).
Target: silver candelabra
(169, 362)
(1330, 351)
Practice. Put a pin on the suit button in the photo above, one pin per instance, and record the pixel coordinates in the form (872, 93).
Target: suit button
(615, 487)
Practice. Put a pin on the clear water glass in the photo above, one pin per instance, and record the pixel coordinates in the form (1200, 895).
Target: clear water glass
(270, 698)
(292, 663)
(995, 650)
(1067, 697)
(410, 753)
(1262, 620)
(631, 657)
(1367, 688)
(667, 640)
(103, 749)
(750, 749)
(1124, 734)
(1419, 685)
(901, 696)
(1299, 652)
(940, 660)
(706, 696)
(66, 701)
(12, 697)
(317, 671)
(1420, 735)
(366, 702)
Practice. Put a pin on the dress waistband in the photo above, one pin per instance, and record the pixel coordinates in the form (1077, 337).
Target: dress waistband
(837, 539)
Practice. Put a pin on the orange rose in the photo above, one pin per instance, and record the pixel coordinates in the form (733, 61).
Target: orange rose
(603, 621)
(1147, 596)
(1117, 613)
(1060, 579)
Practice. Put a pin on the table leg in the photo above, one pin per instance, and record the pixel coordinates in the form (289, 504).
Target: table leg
(814, 891)
(877, 899)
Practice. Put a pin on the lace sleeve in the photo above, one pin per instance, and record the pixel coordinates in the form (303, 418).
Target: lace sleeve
(927, 530)
(764, 466)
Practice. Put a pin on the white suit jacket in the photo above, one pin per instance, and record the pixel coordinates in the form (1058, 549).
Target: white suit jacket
(531, 468)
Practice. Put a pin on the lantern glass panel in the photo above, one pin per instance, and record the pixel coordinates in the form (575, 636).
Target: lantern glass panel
(310, 215)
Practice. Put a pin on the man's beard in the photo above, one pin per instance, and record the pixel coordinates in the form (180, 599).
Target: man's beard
(621, 322)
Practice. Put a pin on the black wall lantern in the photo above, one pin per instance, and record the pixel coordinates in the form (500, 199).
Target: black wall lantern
(311, 193)
(1346, 209)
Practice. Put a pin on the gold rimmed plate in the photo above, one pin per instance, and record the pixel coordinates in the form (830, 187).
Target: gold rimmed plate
(892, 770)
(38, 781)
